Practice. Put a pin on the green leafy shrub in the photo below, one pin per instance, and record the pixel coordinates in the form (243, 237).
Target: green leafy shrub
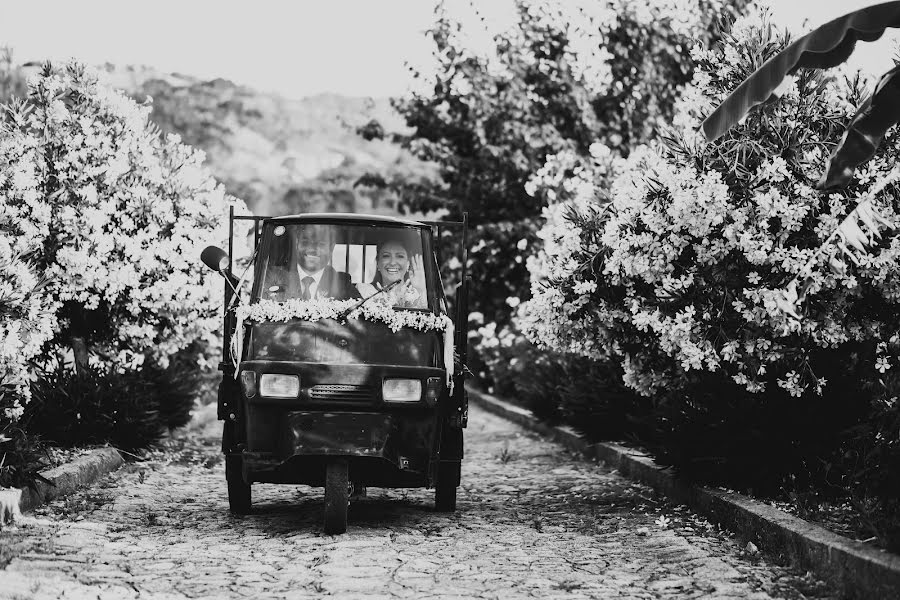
(177, 387)
(127, 408)
(97, 406)
(561, 388)
(22, 456)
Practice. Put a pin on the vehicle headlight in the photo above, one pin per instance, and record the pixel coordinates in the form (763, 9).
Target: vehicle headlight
(273, 385)
(401, 390)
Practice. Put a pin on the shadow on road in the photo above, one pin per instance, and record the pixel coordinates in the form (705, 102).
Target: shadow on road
(305, 512)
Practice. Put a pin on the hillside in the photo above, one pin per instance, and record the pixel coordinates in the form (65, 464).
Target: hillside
(280, 155)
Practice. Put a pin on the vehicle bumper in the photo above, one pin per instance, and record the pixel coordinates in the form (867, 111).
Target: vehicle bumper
(381, 447)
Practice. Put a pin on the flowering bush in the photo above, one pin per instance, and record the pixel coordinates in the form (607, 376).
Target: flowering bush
(101, 225)
(681, 272)
(27, 314)
(675, 267)
(131, 212)
(502, 352)
(560, 387)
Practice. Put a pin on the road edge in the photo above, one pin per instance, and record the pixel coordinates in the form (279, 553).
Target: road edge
(70, 476)
(859, 571)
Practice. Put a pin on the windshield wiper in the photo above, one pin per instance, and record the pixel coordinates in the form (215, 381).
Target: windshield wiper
(343, 314)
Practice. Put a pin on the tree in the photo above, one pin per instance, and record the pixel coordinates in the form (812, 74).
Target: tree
(563, 78)
(12, 77)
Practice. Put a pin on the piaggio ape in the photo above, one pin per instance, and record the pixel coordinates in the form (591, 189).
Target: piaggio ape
(328, 383)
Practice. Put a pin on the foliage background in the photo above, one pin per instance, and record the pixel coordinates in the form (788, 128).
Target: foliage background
(490, 122)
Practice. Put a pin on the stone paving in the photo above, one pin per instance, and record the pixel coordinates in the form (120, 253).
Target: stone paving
(533, 522)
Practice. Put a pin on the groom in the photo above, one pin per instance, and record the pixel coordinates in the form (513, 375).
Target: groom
(311, 275)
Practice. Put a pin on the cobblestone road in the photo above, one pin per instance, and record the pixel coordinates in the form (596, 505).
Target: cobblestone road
(533, 522)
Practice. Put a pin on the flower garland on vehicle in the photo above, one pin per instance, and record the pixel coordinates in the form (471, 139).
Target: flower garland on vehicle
(328, 308)
(378, 309)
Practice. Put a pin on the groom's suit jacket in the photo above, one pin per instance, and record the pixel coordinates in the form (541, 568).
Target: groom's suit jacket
(283, 284)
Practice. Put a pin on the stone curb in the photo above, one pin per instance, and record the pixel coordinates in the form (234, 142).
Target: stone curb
(858, 570)
(68, 477)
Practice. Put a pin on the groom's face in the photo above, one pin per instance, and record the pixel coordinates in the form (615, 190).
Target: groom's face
(314, 246)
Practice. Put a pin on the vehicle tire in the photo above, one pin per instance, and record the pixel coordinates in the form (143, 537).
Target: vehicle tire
(238, 490)
(445, 488)
(337, 496)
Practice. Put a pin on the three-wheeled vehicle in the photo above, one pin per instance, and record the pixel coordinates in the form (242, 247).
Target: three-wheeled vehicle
(330, 377)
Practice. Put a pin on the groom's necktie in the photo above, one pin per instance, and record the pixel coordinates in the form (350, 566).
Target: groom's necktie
(305, 284)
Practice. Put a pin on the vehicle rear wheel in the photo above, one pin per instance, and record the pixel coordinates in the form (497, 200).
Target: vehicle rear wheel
(238, 490)
(337, 496)
(445, 487)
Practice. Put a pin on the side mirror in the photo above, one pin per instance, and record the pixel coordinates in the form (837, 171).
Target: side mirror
(215, 258)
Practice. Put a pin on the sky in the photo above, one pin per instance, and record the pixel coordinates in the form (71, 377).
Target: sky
(294, 47)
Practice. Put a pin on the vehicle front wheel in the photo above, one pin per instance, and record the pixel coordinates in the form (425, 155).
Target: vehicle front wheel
(238, 490)
(337, 496)
(445, 487)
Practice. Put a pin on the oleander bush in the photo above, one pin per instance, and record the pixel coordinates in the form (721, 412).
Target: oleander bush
(102, 294)
(27, 314)
(131, 212)
(675, 265)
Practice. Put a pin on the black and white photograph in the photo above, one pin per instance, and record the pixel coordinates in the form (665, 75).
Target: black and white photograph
(450, 299)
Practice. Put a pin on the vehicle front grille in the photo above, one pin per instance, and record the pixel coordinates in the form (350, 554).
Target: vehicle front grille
(342, 393)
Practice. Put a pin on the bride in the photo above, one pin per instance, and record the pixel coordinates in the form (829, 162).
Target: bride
(392, 263)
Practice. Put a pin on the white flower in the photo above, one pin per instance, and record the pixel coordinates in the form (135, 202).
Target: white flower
(600, 151)
(585, 287)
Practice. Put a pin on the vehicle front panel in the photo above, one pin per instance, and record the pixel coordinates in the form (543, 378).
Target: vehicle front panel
(340, 410)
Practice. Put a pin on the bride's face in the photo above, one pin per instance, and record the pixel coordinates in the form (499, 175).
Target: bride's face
(393, 262)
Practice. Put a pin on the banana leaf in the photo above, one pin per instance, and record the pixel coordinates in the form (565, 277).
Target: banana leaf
(824, 47)
(878, 113)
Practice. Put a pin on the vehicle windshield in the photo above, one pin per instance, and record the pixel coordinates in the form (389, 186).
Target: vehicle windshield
(326, 260)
